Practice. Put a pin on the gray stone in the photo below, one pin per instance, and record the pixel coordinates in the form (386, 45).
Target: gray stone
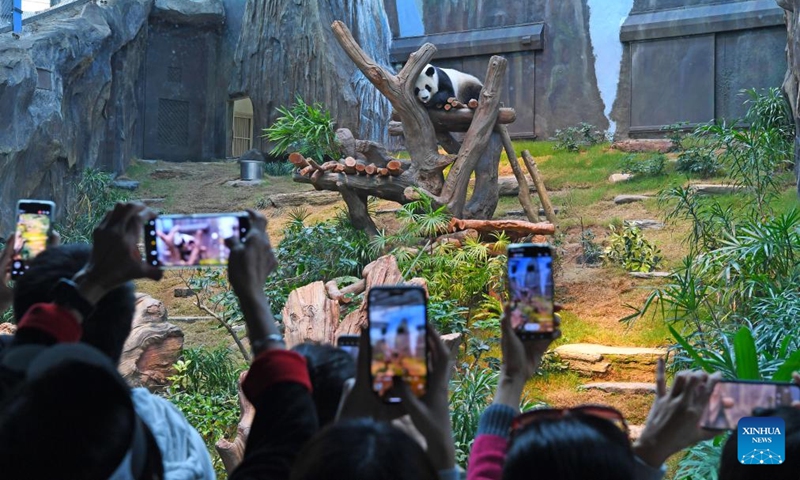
(621, 387)
(245, 183)
(191, 319)
(644, 145)
(715, 189)
(190, 12)
(89, 117)
(645, 224)
(623, 199)
(311, 197)
(619, 177)
(252, 154)
(649, 274)
(125, 184)
(596, 353)
(183, 292)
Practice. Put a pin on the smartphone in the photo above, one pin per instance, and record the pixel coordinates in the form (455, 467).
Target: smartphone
(530, 290)
(398, 318)
(349, 343)
(179, 241)
(732, 400)
(34, 219)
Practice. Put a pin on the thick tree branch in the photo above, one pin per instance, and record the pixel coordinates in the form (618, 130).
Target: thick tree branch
(477, 137)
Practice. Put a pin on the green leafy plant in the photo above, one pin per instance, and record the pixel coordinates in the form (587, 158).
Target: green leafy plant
(304, 128)
(592, 252)
(278, 169)
(650, 166)
(676, 133)
(699, 160)
(575, 139)
(204, 389)
(630, 250)
(471, 390)
(94, 197)
(702, 460)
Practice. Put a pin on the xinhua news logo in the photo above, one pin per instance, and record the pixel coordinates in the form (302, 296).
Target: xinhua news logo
(762, 440)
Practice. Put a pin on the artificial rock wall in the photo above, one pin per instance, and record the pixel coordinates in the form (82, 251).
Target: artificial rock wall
(68, 97)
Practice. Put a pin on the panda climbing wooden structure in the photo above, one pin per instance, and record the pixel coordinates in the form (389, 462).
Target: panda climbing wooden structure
(435, 87)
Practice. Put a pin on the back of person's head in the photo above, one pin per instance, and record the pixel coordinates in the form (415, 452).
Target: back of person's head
(329, 367)
(575, 447)
(108, 327)
(362, 450)
(72, 422)
(731, 469)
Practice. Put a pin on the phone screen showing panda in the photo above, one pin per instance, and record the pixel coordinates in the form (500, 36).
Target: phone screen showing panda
(398, 339)
(530, 290)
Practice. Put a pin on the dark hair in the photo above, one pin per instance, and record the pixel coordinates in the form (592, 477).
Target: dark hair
(328, 368)
(731, 469)
(362, 450)
(109, 325)
(578, 446)
(72, 422)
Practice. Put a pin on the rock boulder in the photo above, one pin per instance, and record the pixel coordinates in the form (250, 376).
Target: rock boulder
(190, 12)
(152, 347)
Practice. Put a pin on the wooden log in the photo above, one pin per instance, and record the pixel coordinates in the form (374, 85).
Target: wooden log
(457, 238)
(460, 118)
(313, 163)
(329, 166)
(361, 168)
(294, 199)
(395, 167)
(516, 227)
(383, 271)
(347, 141)
(341, 295)
(371, 169)
(447, 107)
(508, 186)
(232, 452)
(317, 175)
(309, 315)
(383, 171)
(152, 347)
(339, 168)
(350, 165)
(473, 104)
(524, 191)
(540, 189)
(297, 159)
(305, 171)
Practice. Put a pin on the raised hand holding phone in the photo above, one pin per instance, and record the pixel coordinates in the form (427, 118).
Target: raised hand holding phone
(34, 219)
(530, 291)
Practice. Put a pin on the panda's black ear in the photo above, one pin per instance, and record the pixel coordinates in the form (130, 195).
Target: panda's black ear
(430, 71)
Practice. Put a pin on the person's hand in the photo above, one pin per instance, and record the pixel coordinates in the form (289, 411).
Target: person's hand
(520, 361)
(251, 260)
(358, 399)
(674, 420)
(431, 412)
(250, 263)
(6, 293)
(115, 257)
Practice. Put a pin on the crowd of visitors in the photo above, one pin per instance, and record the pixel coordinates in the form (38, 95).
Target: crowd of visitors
(65, 412)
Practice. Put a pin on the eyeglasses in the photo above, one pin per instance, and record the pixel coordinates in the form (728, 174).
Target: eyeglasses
(600, 411)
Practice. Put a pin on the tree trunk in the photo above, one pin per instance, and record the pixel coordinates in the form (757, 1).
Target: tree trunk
(539, 182)
(376, 173)
(232, 452)
(309, 315)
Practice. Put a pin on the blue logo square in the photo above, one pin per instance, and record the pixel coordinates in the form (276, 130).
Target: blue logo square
(761, 440)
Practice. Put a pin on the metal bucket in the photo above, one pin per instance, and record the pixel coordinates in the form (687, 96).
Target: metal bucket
(251, 169)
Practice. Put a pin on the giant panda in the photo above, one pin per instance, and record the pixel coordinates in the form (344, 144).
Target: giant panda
(436, 85)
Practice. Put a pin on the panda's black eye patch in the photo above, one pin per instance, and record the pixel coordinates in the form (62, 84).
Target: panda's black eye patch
(428, 88)
(416, 91)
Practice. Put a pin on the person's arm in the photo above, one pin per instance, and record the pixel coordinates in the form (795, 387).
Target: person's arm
(674, 420)
(520, 362)
(277, 384)
(114, 260)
